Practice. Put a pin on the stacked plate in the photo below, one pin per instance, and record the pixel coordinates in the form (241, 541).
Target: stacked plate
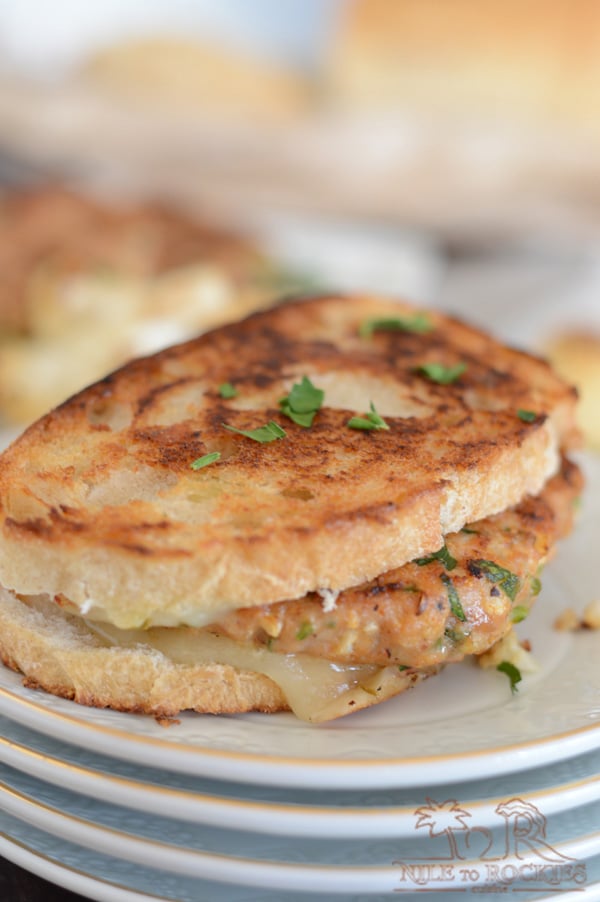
(457, 787)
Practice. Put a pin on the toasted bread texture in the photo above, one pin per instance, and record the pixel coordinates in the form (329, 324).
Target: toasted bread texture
(420, 616)
(99, 504)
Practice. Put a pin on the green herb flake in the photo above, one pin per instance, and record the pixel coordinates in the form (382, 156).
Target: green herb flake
(403, 667)
(519, 613)
(469, 532)
(419, 323)
(513, 673)
(206, 460)
(227, 390)
(442, 555)
(371, 420)
(536, 585)
(455, 605)
(305, 630)
(453, 635)
(507, 581)
(443, 375)
(527, 416)
(303, 402)
(262, 434)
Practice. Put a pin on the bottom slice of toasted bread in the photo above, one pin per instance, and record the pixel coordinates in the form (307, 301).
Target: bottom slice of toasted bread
(62, 654)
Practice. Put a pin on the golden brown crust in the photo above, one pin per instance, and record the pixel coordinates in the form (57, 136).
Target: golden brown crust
(405, 616)
(98, 501)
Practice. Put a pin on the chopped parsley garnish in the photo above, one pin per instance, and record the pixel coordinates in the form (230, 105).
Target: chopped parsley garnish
(371, 420)
(453, 635)
(303, 402)
(536, 585)
(527, 416)
(442, 555)
(469, 532)
(305, 630)
(455, 605)
(513, 673)
(519, 613)
(418, 323)
(443, 375)
(507, 581)
(227, 390)
(262, 434)
(403, 667)
(205, 460)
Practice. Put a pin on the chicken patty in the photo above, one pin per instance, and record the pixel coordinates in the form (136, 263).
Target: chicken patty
(434, 610)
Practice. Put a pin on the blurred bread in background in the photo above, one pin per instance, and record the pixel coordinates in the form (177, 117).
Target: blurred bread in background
(85, 285)
(191, 76)
(522, 61)
(576, 356)
(475, 121)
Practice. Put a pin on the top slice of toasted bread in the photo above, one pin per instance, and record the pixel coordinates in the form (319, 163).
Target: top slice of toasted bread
(99, 504)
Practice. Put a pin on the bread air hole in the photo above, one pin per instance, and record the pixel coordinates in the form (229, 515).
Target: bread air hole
(115, 415)
(299, 493)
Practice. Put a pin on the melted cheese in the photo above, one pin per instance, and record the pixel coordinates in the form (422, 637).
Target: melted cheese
(316, 690)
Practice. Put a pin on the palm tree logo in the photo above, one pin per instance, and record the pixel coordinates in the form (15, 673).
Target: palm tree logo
(443, 818)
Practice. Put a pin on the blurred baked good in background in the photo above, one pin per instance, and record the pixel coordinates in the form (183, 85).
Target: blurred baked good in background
(454, 141)
(85, 285)
(529, 62)
(476, 121)
(577, 357)
(195, 76)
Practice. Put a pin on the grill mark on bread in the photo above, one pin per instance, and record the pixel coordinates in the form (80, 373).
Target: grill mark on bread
(369, 501)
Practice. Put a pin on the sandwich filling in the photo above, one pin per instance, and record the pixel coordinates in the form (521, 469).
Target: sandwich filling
(332, 655)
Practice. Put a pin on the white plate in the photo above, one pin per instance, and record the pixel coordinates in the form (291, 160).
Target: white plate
(287, 812)
(312, 866)
(110, 880)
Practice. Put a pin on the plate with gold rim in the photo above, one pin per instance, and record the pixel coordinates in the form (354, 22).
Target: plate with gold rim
(310, 865)
(108, 879)
(289, 812)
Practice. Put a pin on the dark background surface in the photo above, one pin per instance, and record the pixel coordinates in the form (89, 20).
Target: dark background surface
(17, 885)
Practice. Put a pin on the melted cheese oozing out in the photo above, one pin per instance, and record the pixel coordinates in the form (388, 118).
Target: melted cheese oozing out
(316, 690)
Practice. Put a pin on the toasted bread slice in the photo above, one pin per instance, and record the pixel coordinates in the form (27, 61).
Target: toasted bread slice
(99, 503)
(377, 641)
